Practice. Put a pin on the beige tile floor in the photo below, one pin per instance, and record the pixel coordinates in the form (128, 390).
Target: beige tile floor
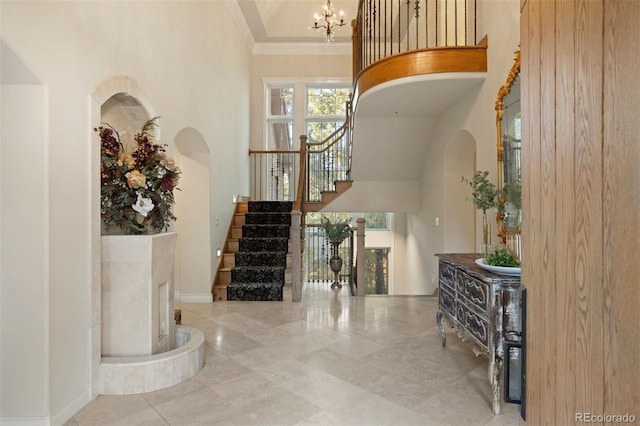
(331, 359)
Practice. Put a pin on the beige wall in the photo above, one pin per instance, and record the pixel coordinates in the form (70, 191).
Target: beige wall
(192, 64)
(581, 203)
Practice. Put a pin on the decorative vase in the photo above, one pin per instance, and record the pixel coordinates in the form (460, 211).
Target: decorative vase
(486, 233)
(335, 263)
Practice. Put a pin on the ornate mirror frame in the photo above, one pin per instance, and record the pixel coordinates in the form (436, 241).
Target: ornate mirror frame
(509, 215)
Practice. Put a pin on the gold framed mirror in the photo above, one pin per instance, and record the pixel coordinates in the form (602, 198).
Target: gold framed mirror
(508, 121)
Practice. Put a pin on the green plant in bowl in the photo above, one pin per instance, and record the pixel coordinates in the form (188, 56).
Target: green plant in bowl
(502, 257)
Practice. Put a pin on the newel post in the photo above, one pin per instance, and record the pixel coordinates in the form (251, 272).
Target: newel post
(360, 222)
(296, 257)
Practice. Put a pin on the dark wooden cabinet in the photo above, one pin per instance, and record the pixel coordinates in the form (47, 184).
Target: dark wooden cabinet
(482, 307)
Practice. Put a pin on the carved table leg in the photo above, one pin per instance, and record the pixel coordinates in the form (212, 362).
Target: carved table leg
(443, 334)
(495, 369)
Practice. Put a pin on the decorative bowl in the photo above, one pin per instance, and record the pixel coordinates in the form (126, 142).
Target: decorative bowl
(503, 270)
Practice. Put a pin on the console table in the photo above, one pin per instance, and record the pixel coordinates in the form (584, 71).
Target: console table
(482, 307)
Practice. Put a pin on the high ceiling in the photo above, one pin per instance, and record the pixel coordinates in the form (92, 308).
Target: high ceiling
(287, 22)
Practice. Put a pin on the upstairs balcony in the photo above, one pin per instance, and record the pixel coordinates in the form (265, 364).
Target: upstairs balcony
(412, 60)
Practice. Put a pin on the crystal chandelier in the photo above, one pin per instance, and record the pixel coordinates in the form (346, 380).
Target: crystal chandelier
(328, 22)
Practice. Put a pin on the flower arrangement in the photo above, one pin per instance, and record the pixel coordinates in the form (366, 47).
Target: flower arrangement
(484, 193)
(137, 187)
(335, 233)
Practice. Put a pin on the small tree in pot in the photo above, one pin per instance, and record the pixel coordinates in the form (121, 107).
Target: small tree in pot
(335, 233)
(485, 196)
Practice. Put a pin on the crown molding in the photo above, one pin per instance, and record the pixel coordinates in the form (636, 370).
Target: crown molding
(244, 29)
(302, 49)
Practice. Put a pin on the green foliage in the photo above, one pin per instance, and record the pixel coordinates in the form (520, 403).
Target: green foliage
(501, 257)
(136, 187)
(484, 193)
(376, 221)
(335, 233)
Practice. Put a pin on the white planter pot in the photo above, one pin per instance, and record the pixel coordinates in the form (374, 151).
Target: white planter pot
(137, 294)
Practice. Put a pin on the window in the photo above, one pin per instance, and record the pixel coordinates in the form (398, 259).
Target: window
(280, 118)
(313, 107)
(376, 270)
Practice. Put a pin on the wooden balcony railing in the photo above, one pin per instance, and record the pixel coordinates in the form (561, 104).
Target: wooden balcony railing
(385, 28)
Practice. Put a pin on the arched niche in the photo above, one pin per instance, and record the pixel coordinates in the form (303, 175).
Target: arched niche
(459, 213)
(115, 97)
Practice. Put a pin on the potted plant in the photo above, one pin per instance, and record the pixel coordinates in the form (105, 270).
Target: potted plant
(484, 196)
(335, 233)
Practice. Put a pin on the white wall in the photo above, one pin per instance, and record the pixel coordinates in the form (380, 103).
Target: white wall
(194, 261)
(192, 64)
(23, 249)
(475, 114)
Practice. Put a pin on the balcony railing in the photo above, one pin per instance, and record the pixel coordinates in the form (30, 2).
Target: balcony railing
(385, 28)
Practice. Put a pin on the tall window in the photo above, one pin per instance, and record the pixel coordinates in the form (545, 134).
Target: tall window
(326, 111)
(313, 107)
(280, 118)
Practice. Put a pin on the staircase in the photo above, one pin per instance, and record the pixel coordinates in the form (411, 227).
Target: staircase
(255, 267)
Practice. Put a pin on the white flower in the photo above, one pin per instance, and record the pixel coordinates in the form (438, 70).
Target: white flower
(143, 205)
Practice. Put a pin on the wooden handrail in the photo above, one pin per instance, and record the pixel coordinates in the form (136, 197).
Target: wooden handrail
(297, 205)
(272, 151)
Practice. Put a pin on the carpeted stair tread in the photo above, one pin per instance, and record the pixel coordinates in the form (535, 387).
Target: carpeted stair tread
(263, 291)
(257, 231)
(276, 218)
(263, 244)
(270, 206)
(260, 258)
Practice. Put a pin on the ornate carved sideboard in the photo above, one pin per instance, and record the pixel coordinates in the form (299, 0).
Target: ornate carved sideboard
(482, 307)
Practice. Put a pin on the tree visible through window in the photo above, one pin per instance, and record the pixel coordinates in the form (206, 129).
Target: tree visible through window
(376, 270)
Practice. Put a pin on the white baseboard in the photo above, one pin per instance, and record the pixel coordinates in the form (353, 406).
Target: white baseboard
(58, 419)
(24, 421)
(193, 298)
(65, 413)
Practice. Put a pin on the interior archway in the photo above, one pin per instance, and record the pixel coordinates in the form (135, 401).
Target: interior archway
(459, 227)
(193, 261)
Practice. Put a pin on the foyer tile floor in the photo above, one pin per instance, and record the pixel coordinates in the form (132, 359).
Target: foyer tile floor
(331, 359)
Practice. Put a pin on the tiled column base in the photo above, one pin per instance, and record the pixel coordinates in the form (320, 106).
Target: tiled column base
(140, 374)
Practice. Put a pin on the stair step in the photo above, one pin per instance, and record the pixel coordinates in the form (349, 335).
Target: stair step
(260, 291)
(228, 260)
(264, 244)
(225, 276)
(260, 258)
(248, 274)
(220, 292)
(232, 246)
(270, 206)
(267, 218)
(260, 231)
(238, 219)
(236, 232)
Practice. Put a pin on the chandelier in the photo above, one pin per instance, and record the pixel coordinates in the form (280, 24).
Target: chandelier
(329, 21)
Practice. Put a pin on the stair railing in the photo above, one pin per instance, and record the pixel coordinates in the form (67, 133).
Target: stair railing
(328, 161)
(274, 175)
(385, 28)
